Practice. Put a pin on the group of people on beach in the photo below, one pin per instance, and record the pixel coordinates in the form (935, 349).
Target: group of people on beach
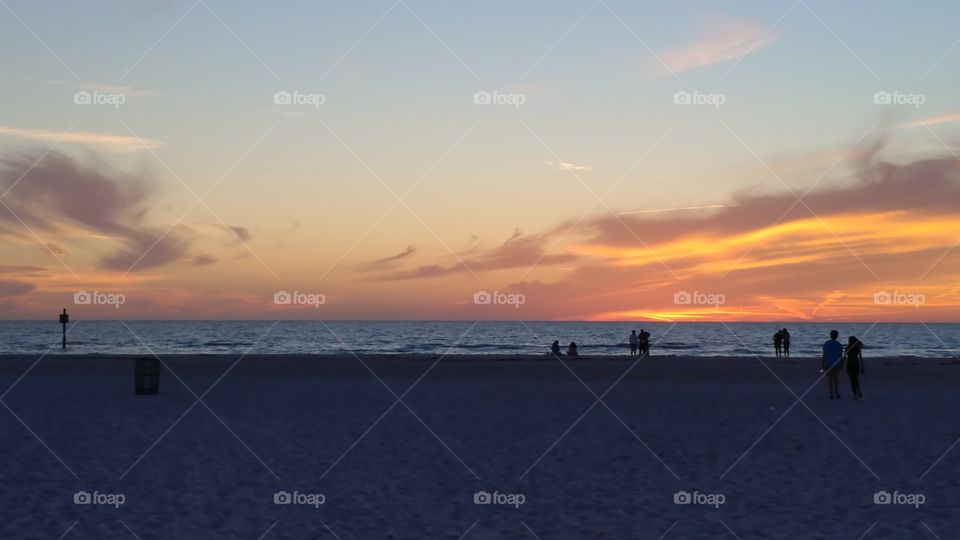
(781, 343)
(571, 349)
(835, 356)
(639, 343)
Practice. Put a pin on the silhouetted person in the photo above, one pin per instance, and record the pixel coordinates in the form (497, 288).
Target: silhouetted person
(855, 365)
(634, 342)
(644, 342)
(832, 361)
(786, 342)
(555, 348)
(572, 349)
(778, 343)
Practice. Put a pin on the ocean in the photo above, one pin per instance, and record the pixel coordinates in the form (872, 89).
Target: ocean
(464, 337)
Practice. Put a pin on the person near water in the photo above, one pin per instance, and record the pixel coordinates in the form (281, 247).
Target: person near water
(786, 342)
(555, 348)
(855, 365)
(644, 341)
(832, 361)
(778, 343)
(634, 342)
(572, 349)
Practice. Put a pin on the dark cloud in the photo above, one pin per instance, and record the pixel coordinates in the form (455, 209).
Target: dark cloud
(54, 249)
(203, 260)
(242, 233)
(22, 269)
(387, 261)
(12, 288)
(519, 250)
(930, 186)
(52, 192)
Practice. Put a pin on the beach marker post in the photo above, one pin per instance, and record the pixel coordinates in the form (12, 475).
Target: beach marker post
(64, 319)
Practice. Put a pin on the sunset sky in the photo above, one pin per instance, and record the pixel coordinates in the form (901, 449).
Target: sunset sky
(598, 160)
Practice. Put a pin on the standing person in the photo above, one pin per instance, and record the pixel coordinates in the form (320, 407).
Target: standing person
(778, 343)
(832, 361)
(855, 365)
(786, 342)
(644, 343)
(634, 342)
(572, 349)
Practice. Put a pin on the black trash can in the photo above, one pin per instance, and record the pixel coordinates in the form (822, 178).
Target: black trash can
(147, 376)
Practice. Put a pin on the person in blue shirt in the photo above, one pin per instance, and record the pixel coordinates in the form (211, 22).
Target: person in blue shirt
(832, 361)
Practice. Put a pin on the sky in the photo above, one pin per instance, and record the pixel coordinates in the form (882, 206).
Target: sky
(539, 160)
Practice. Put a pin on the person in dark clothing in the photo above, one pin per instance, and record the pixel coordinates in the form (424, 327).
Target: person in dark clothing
(572, 349)
(778, 343)
(644, 343)
(855, 365)
(555, 348)
(785, 336)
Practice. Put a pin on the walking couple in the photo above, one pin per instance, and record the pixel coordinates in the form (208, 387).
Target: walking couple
(834, 358)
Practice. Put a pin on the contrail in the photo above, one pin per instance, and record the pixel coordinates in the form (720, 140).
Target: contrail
(671, 209)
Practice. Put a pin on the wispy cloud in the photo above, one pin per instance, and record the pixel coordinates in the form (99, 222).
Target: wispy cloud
(724, 39)
(568, 166)
(945, 118)
(105, 142)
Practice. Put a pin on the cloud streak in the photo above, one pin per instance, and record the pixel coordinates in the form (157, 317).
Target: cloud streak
(724, 39)
(104, 142)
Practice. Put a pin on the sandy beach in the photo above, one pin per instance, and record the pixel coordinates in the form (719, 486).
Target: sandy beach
(400, 447)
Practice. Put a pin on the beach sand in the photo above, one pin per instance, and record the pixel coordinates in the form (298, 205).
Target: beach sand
(527, 430)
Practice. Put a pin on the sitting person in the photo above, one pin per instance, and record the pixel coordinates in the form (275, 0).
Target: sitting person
(555, 348)
(572, 349)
